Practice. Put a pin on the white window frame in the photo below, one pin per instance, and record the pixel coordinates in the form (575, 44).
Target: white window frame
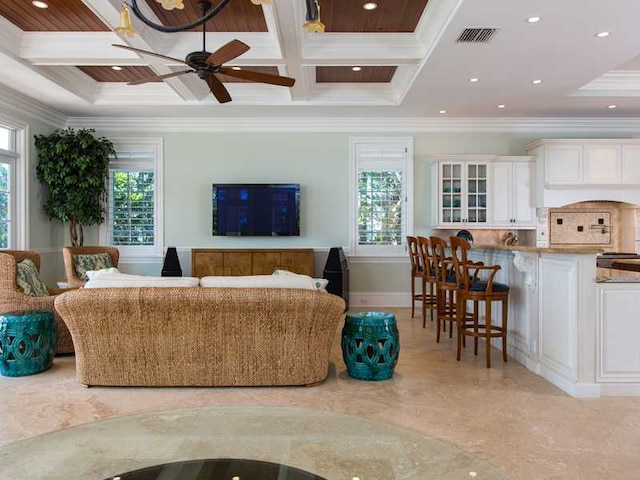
(17, 157)
(153, 146)
(394, 152)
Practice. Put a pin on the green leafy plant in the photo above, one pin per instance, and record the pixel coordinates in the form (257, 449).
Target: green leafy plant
(74, 167)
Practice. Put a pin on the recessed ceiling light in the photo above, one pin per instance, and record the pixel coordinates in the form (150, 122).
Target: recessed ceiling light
(533, 19)
(370, 6)
(443, 111)
(236, 68)
(116, 68)
(536, 82)
(356, 69)
(474, 80)
(612, 106)
(39, 4)
(603, 34)
(501, 106)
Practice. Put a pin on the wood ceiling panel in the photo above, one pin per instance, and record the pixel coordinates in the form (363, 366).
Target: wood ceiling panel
(127, 74)
(373, 74)
(61, 16)
(270, 70)
(237, 16)
(398, 16)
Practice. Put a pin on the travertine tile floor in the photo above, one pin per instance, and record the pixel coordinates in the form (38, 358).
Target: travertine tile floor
(506, 415)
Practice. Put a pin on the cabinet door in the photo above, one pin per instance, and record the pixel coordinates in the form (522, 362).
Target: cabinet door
(602, 164)
(501, 194)
(451, 183)
(563, 165)
(523, 211)
(631, 164)
(477, 191)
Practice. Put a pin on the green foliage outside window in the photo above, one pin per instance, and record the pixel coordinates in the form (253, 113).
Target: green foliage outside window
(380, 208)
(73, 166)
(132, 221)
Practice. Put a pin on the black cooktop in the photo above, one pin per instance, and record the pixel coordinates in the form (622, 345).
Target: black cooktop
(218, 469)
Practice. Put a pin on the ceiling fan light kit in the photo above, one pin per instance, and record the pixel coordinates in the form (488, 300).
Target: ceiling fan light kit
(205, 64)
(125, 29)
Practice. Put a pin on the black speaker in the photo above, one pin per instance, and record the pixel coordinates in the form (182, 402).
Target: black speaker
(336, 270)
(171, 265)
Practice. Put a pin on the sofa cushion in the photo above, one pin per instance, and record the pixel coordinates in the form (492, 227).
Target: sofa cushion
(96, 273)
(28, 279)
(95, 261)
(122, 280)
(260, 281)
(319, 283)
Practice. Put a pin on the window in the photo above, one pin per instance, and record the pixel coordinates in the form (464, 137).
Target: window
(381, 196)
(9, 226)
(134, 213)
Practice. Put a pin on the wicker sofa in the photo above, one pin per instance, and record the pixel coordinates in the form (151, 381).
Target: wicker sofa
(201, 336)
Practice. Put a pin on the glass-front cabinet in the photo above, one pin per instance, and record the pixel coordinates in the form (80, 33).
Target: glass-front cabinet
(462, 193)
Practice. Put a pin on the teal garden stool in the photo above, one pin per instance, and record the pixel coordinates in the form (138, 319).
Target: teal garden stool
(27, 342)
(370, 345)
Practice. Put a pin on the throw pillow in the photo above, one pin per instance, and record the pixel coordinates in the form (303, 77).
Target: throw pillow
(91, 274)
(95, 261)
(28, 279)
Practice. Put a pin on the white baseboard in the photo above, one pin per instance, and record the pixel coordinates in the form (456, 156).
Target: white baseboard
(380, 299)
(578, 390)
(620, 389)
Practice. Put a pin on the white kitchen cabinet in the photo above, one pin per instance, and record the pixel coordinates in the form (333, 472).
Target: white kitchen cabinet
(602, 164)
(563, 165)
(462, 193)
(631, 164)
(511, 195)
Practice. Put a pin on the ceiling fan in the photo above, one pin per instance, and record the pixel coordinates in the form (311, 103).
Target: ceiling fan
(207, 65)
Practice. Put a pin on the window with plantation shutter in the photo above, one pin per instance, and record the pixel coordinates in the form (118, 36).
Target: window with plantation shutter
(8, 159)
(134, 209)
(381, 198)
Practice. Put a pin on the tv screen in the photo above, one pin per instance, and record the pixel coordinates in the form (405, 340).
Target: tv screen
(256, 209)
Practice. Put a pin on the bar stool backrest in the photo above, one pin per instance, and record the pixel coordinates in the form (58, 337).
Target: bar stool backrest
(459, 249)
(441, 265)
(414, 256)
(426, 258)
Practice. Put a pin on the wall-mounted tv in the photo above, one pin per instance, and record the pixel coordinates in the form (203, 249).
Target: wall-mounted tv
(256, 209)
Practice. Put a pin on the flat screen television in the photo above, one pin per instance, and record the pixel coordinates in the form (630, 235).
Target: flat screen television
(256, 209)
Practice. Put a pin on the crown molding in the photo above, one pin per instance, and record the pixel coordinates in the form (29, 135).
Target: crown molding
(361, 124)
(21, 104)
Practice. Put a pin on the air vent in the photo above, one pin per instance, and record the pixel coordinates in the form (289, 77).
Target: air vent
(476, 35)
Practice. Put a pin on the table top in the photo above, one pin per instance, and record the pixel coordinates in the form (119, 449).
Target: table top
(218, 469)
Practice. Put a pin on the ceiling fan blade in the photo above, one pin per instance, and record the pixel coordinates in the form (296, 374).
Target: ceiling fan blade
(218, 89)
(145, 52)
(159, 77)
(259, 77)
(227, 52)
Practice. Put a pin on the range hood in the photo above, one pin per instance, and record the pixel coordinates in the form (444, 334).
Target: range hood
(556, 196)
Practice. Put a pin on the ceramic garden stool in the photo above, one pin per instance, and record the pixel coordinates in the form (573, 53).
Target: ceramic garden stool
(27, 342)
(370, 345)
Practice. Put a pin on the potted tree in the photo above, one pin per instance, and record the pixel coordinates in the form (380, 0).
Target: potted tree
(74, 167)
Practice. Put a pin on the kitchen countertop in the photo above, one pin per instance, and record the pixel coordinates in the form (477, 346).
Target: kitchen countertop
(524, 248)
(628, 264)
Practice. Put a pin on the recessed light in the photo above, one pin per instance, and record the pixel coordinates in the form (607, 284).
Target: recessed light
(536, 82)
(443, 111)
(116, 68)
(39, 4)
(603, 34)
(501, 106)
(612, 106)
(474, 80)
(356, 69)
(236, 68)
(533, 19)
(370, 6)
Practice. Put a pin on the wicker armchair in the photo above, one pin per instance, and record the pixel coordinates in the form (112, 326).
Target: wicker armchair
(69, 266)
(13, 299)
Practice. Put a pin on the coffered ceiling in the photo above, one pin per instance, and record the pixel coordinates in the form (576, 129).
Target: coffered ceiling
(410, 61)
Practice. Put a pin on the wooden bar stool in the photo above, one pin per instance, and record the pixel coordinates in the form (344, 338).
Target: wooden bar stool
(416, 270)
(472, 288)
(446, 287)
(429, 300)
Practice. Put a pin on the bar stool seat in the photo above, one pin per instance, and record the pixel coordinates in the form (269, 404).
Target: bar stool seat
(482, 287)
